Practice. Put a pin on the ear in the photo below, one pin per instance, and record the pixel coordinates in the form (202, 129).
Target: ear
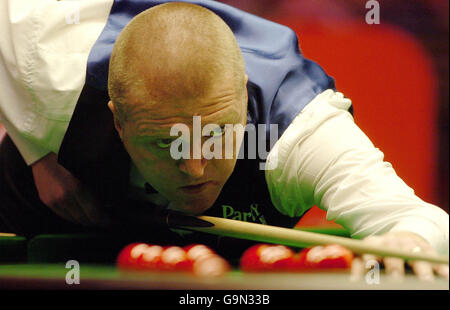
(117, 124)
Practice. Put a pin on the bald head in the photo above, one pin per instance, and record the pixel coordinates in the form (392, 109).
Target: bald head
(172, 53)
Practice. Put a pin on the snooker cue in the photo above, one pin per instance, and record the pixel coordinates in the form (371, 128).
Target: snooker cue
(7, 234)
(297, 238)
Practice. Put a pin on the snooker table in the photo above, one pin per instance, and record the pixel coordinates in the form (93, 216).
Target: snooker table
(40, 263)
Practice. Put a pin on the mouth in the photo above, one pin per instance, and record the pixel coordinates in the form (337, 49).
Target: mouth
(196, 188)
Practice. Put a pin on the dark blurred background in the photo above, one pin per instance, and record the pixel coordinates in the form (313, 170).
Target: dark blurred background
(395, 72)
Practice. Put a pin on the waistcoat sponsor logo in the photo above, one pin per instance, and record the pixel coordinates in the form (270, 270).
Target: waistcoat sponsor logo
(252, 215)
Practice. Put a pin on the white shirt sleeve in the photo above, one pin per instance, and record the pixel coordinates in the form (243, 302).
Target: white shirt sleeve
(324, 159)
(44, 46)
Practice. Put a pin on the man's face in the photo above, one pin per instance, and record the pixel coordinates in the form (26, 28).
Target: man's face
(191, 185)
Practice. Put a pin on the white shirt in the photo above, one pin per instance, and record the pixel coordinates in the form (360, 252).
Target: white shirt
(43, 58)
(322, 159)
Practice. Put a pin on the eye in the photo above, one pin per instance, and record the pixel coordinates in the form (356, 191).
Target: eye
(217, 132)
(163, 143)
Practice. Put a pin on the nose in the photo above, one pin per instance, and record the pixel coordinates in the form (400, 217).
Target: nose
(194, 168)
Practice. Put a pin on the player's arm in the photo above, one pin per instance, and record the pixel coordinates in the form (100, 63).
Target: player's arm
(323, 158)
(64, 194)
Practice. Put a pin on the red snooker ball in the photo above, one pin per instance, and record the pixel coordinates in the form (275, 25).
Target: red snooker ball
(150, 258)
(174, 258)
(331, 256)
(210, 266)
(267, 257)
(196, 251)
(129, 255)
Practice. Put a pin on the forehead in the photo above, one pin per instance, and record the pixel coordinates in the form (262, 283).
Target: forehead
(156, 119)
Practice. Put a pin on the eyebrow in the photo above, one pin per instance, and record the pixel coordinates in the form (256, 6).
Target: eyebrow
(150, 135)
(146, 138)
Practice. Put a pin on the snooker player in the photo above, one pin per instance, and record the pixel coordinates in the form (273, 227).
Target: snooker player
(170, 64)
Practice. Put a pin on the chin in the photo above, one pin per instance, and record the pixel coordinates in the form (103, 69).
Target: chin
(196, 204)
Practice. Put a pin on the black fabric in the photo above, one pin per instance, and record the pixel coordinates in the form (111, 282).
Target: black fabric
(92, 150)
(21, 210)
(23, 213)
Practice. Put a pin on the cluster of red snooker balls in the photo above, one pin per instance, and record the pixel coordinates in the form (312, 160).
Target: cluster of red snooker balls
(200, 260)
(275, 258)
(197, 259)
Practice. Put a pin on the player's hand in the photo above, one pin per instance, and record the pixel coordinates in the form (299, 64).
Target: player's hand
(395, 267)
(63, 193)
